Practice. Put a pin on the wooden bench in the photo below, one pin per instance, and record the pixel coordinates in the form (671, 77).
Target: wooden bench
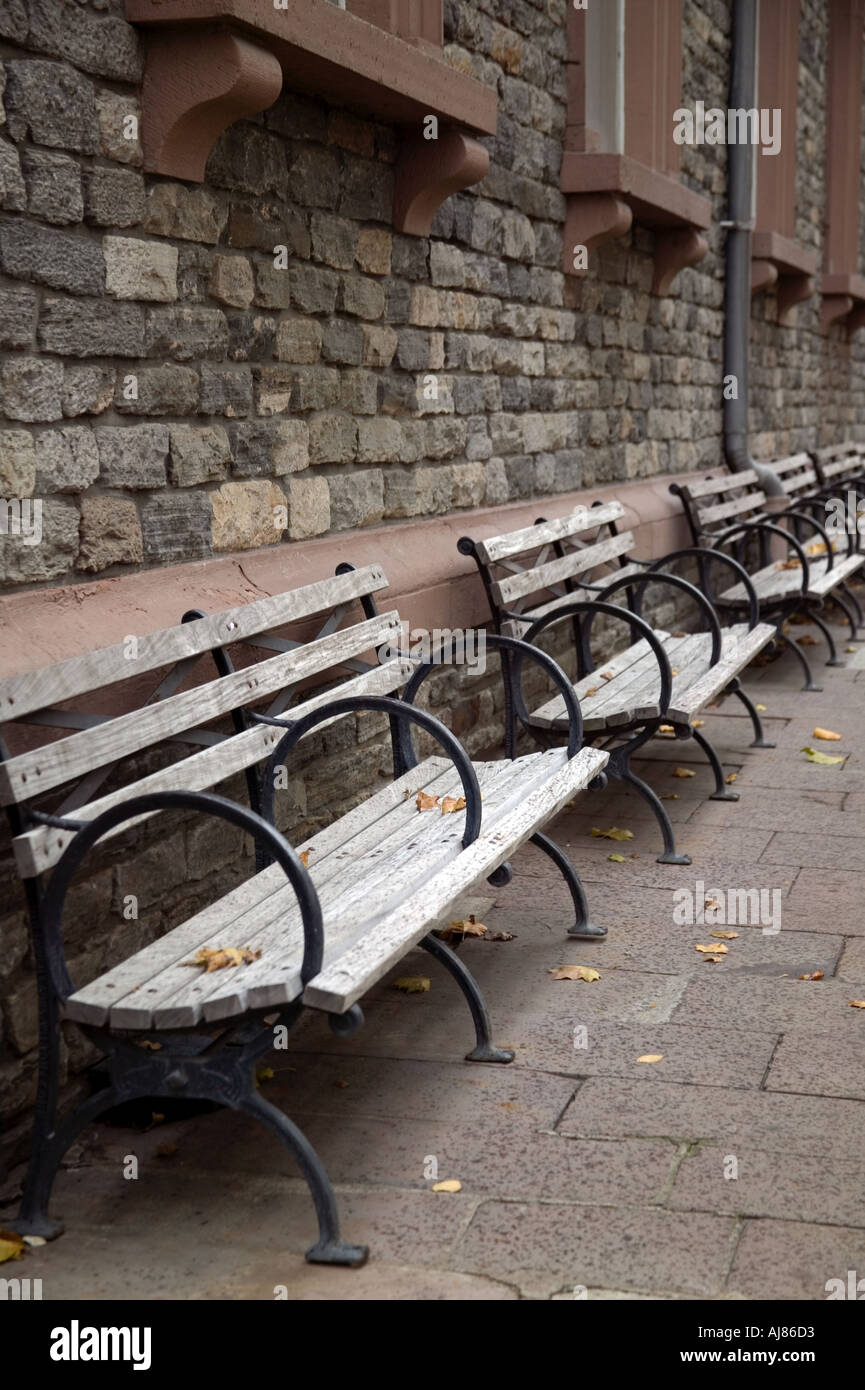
(560, 571)
(378, 881)
(730, 510)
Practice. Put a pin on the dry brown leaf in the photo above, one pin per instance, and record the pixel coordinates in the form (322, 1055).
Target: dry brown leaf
(452, 803)
(726, 935)
(817, 975)
(857, 1004)
(449, 1185)
(342, 1085)
(614, 833)
(697, 723)
(502, 936)
(731, 777)
(806, 640)
(412, 984)
(674, 671)
(677, 634)
(576, 972)
(669, 796)
(149, 1046)
(827, 735)
(666, 729)
(593, 690)
(11, 1246)
(788, 564)
(304, 857)
(223, 957)
(713, 950)
(426, 803)
(651, 1057)
(607, 675)
(713, 960)
(464, 927)
(265, 1074)
(683, 772)
(166, 1150)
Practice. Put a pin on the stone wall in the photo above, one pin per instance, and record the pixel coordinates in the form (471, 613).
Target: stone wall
(192, 370)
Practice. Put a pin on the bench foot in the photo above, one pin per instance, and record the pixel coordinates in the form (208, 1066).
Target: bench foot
(673, 859)
(582, 930)
(487, 1053)
(722, 791)
(801, 658)
(337, 1252)
(725, 795)
(36, 1225)
(670, 854)
(759, 740)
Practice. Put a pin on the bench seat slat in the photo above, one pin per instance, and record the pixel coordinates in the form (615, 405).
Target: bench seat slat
(773, 582)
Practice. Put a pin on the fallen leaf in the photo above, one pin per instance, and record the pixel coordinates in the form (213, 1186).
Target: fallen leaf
(502, 936)
(149, 1046)
(817, 975)
(711, 902)
(412, 984)
(669, 796)
(697, 723)
(593, 690)
(617, 858)
(857, 1003)
(823, 758)
(614, 833)
(674, 671)
(576, 972)
(449, 1185)
(666, 729)
(806, 640)
(453, 803)
(847, 649)
(426, 803)
(788, 564)
(304, 857)
(762, 708)
(166, 1150)
(726, 935)
(11, 1246)
(651, 1057)
(464, 927)
(677, 634)
(683, 772)
(827, 735)
(265, 1074)
(342, 1085)
(713, 960)
(713, 950)
(221, 957)
(731, 777)
(607, 675)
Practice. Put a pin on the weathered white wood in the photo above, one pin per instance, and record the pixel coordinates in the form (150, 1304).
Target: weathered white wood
(820, 584)
(751, 502)
(40, 849)
(20, 695)
(530, 581)
(707, 487)
(773, 582)
(341, 984)
(31, 773)
(739, 648)
(498, 548)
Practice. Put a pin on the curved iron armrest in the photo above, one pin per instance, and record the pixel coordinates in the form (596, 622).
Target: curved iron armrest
(703, 554)
(821, 531)
(655, 577)
(742, 527)
(513, 689)
(612, 610)
(404, 757)
(208, 803)
(802, 516)
(829, 492)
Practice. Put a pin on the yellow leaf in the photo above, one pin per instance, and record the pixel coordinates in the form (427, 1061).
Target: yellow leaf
(788, 564)
(697, 723)
(713, 960)
(731, 777)
(713, 950)
(607, 675)
(222, 957)
(652, 1057)
(304, 857)
(265, 1074)
(453, 803)
(822, 758)
(666, 729)
(817, 975)
(669, 796)
(857, 1003)
(576, 972)
(426, 803)
(847, 649)
(616, 858)
(683, 772)
(761, 708)
(11, 1246)
(449, 1185)
(675, 671)
(412, 984)
(614, 833)
(827, 735)
(726, 935)
(464, 927)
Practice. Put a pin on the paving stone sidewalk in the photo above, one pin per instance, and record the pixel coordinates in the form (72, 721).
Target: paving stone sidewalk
(580, 1166)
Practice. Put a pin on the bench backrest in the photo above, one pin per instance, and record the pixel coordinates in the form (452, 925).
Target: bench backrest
(89, 754)
(837, 461)
(797, 475)
(524, 571)
(715, 503)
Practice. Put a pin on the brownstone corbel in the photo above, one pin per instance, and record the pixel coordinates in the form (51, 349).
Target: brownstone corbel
(834, 306)
(196, 84)
(674, 250)
(792, 290)
(592, 219)
(764, 274)
(429, 171)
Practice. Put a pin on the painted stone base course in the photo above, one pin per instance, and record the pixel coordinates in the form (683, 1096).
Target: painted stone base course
(578, 1166)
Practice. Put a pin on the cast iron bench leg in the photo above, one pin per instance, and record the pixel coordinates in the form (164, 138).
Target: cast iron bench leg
(801, 657)
(582, 930)
(760, 740)
(483, 1051)
(722, 791)
(45, 1156)
(830, 640)
(670, 855)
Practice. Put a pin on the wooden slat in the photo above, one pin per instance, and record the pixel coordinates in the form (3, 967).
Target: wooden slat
(793, 463)
(530, 581)
(63, 680)
(740, 647)
(503, 547)
(339, 986)
(31, 773)
(751, 502)
(707, 487)
(821, 584)
(39, 849)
